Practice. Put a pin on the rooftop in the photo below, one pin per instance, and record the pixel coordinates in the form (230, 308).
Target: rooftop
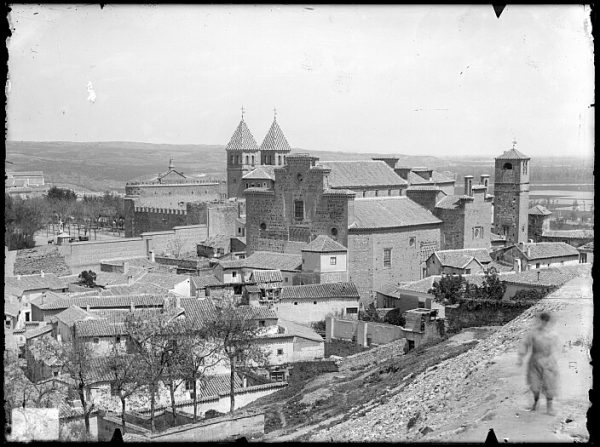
(99, 302)
(569, 234)
(73, 314)
(460, 258)
(266, 276)
(327, 290)
(201, 282)
(262, 172)
(275, 140)
(17, 285)
(451, 202)
(545, 250)
(324, 244)
(390, 212)
(539, 210)
(267, 260)
(242, 139)
(299, 330)
(512, 154)
(362, 173)
(550, 277)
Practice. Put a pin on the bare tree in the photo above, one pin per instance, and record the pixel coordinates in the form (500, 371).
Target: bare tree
(199, 355)
(175, 246)
(235, 331)
(125, 374)
(152, 340)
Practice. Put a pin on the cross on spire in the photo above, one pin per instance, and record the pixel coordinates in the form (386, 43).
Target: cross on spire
(274, 114)
(243, 110)
(514, 142)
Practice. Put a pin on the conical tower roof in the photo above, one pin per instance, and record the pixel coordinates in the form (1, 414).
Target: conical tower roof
(512, 154)
(275, 140)
(242, 139)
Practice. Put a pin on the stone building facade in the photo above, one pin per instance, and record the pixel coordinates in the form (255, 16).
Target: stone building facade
(511, 191)
(539, 221)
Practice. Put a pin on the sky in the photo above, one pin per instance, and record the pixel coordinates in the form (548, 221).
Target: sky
(415, 80)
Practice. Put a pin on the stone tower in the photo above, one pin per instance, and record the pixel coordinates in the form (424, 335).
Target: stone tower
(242, 156)
(511, 196)
(274, 147)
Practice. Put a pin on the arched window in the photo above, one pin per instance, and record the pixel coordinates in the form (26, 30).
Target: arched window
(507, 166)
(247, 160)
(279, 159)
(232, 159)
(263, 226)
(334, 232)
(239, 158)
(253, 160)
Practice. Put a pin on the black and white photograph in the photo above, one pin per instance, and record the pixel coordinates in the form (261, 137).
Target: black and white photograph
(299, 223)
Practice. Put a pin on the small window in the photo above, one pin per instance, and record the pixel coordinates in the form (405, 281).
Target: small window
(278, 376)
(114, 390)
(364, 193)
(189, 385)
(264, 184)
(27, 316)
(247, 160)
(285, 279)
(351, 310)
(299, 210)
(387, 257)
(253, 160)
(334, 232)
(261, 323)
(468, 271)
(96, 340)
(412, 241)
(332, 260)
(233, 274)
(263, 226)
(295, 303)
(232, 161)
(314, 302)
(389, 192)
(118, 339)
(55, 373)
(525, 167)
(376, 193)
(280, 352)
(507, 166)
(247, 185)
(537, 265)
(279, 159)
(239, 230)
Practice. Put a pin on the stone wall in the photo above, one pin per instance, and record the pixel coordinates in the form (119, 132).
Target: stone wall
(473, 313)
(365, 257)
(365, 333)
(306, 311)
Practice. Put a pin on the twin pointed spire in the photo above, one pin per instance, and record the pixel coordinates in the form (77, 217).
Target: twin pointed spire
(242, 139)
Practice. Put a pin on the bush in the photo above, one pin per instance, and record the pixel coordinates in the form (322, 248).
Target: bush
(369, 314)
(533, 294)
(319, 326)
(395, 317)
(449, 288)
(88, 278)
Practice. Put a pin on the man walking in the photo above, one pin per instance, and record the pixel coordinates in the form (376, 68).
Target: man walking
(542, 369)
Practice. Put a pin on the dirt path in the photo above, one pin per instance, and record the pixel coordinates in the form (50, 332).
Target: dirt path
(505, 404)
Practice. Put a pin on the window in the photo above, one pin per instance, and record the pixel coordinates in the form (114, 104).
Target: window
(247, 185)
(389, 192)
(261, 323)
(263, 226)
(525, 167)
(364, 193)
(7, 324)
(247, 159)
(478, 233)
(239, 159)
(507, 166)
(298, 209)
(278, 376)
(232, 159)
(118, 339)
(334, 232)
(55, 373)
(27, 316)
(264, 184)
(468, 271)
(279, 159)
(189, 385)
(253, 160)
(351, 310)
(314, 302)
(333, 260)
(96, 340)
(280, 352)
(239, 230)
(295, 303)
(537, 265)
(114, 390)
(233, 274)
(376, 193)
(412, 241)
(387, 257)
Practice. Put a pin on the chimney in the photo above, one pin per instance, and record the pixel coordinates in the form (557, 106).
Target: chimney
(424, 173)
(151, 256)
(484, 180)
(402, 172)
(468, 185)
(390, 161)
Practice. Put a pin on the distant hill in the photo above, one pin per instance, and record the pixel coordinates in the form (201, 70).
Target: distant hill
(101, 166)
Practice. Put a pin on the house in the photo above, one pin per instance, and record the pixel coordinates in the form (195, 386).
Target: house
(539, 221)
(292, 343)
(307, 304)
(324, 260)
(65, 321)
(214, 247)
(571, 237)
(26, 288)
(11, 315)
(458, 262)
(537, 255)
(406, 296)
(269, 283)
(542, 279)
(239, 271)
(201, 286)
(586, 253)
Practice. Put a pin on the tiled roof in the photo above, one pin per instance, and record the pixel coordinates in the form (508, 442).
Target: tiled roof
(545, 250)
(416, 179)
(550, 277)
(299, 330)
(134, 289)
(266, 276)
(587, 247)
(327, 290)
(460, 258)
(220, 385)
(539, 210)
(252, 289)
(390, 212)
(40, 330)
(99, 328)
(275, 140)
(500, 268)
(263, 172)
(200, 282)
(268, 260)
(362, 173)
(426, 187)
(324, 244)
(99, 302)
(242, 139)
(440, 177)
(450, 202)
(512, 154)
(11, 309)
(569, 234)
(164, 280)
(198, 310)
(73, 314)
(256, 313)
(49, 281)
